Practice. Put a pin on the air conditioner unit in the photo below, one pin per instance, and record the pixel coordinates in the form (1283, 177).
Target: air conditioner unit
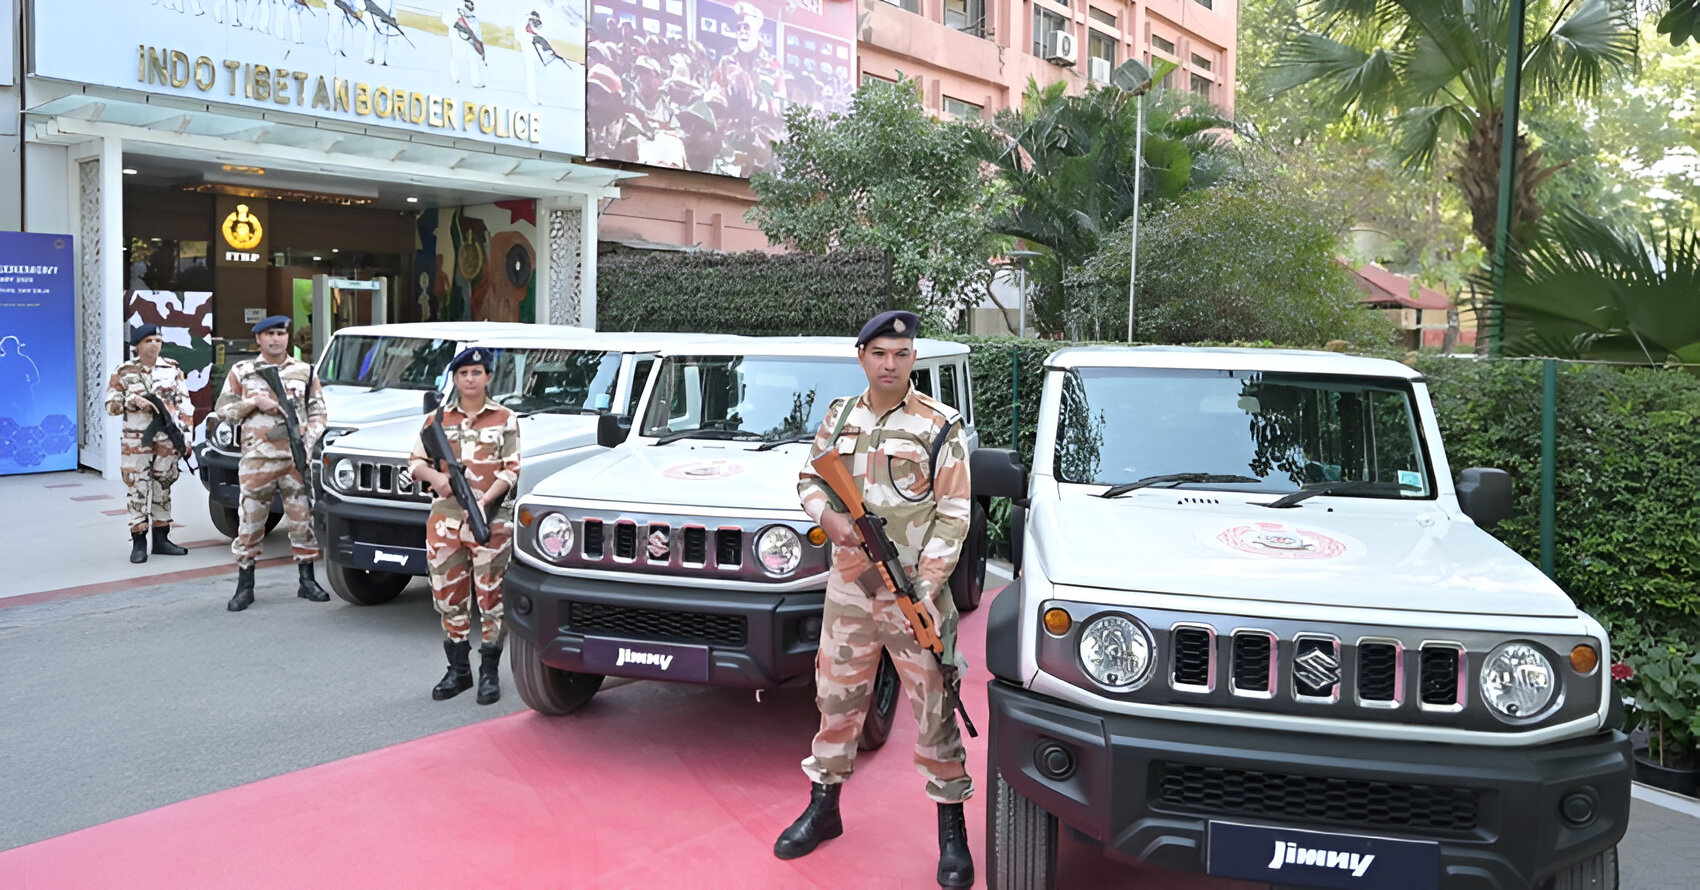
(1098, 69)
(1059, 48)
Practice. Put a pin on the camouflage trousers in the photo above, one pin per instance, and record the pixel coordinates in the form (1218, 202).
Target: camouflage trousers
(854, 627)
(260, 479)
(148, 473)
(459, 565)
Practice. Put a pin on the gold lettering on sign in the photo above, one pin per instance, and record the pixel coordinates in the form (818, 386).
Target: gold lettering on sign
(280, 86)
(300, 85)
(262, 83)
(205, 73)
(341, 94)
(321, 95)
(179, 68)
(381, 101)
(362, 99)
(231, 65)
(156, 67)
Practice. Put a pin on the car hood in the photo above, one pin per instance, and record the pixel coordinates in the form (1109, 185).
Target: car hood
(686, 473)
(359, 406)
(539, 434)
(1328, 552)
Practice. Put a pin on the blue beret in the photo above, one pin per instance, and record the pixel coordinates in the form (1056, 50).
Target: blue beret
(142, 332)
(474, 355)
(274, 321)
(895, 323)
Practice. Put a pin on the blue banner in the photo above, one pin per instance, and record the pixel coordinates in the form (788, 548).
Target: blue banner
(38, 353)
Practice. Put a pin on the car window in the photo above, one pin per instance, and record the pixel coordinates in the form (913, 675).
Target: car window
(947, 386)
(923, 378)
(640, 377)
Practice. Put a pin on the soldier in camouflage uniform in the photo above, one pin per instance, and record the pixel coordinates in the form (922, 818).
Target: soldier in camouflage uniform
(149, 467)
(887, 437)
(485, 436)
(266, 467)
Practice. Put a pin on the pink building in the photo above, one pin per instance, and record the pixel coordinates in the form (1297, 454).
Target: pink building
(971, 57)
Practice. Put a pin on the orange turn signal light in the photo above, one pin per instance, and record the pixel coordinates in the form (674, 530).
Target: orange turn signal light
(1584, 658)
(525, 516)
(817, 536)
(1058, 621)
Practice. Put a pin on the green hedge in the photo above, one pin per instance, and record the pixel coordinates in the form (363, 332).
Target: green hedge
(751, 293)
(1627, 539)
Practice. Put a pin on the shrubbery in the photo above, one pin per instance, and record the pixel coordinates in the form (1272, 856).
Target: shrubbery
(743, 293)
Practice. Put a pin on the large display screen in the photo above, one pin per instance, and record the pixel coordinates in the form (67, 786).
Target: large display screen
(502, 71)
(703, 85)
(38, 353)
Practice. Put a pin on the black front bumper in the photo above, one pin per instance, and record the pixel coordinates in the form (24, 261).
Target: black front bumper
(1148, 789)
(218, 475)
(373, 537)
(753, 639)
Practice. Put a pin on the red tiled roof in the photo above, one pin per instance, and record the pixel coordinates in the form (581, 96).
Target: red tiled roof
(1389, 291)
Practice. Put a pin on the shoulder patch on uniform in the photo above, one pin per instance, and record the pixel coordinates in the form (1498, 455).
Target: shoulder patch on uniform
(941, 409)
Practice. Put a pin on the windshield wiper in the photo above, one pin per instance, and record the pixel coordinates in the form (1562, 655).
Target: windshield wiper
(788, 440)
(1174, 479)
(700, 433)
(1349, 485)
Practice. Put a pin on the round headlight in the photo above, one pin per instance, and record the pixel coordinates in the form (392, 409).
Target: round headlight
(223, 435)
(1517, 681)
(779, 549)
(555, 536)
(342, 475)
(1116, 652)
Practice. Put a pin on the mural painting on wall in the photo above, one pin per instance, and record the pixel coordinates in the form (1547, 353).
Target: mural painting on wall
(185, 321)
(703, 85)
(479, 263)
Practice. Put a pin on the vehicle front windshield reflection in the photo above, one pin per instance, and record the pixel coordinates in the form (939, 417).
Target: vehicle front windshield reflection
(556, 381)
(388, 362)
(764, 396)
(1118, 425)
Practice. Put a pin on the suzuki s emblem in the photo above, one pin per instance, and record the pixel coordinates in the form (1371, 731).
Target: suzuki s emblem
(1317, 668)
(657, 544)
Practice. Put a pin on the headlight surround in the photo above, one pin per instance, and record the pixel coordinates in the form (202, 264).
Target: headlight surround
(1518, 682)
(334, 433)
(555, 536)
(223, 435)
(342, 475)
(1115, 651)
(779, 550)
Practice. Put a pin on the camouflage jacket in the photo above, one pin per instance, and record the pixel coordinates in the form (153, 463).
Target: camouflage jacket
(488, 444)
(890, 458)
(263, 435)
(164, 380)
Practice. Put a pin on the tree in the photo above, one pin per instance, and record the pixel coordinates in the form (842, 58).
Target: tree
(886, 175)
(1434, 69)
(1584, 290)
(1068, 163)
(1250, 260)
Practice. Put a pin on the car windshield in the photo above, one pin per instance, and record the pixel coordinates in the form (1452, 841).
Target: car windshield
(766, 397)
(1282, 431)
(378, 361)
(560, 381)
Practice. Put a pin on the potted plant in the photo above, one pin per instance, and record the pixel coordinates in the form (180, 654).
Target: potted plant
(1659, 678)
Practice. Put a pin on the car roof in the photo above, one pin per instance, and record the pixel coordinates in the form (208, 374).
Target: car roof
(1210, 358)
(616, 341)
(450, 330)
(821, 347)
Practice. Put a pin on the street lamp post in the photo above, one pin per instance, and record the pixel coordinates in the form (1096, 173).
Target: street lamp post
(1021, 258)
(1134, 78)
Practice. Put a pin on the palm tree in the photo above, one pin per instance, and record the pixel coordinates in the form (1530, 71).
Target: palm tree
(1434, 70)
(1068, 162)
(1582, 290)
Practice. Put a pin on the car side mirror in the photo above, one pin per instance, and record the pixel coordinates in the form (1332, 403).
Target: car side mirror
(1485, 495)
(432, 400)
(997, 473)
(612, 429)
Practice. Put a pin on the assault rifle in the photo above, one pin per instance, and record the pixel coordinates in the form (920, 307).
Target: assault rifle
(444, 458)
(385, 18)
(870, 529)
(163, 422)
(291, 424)
(469, 33)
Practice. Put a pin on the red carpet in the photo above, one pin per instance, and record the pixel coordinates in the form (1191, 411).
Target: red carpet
(651, 785)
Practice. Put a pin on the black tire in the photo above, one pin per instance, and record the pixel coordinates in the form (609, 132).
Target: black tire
(1021, 841)
(968, 581)
(544, 689)
(224, 519)
(882, 706)
(363, 587)
(1598, 872)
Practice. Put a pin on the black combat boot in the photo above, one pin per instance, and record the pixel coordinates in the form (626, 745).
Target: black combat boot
(489, 673)
(244, 589)
(956, 865)
(820, 822)
(310, 589)
(459, 677)
(162, 543)
(138, 546)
